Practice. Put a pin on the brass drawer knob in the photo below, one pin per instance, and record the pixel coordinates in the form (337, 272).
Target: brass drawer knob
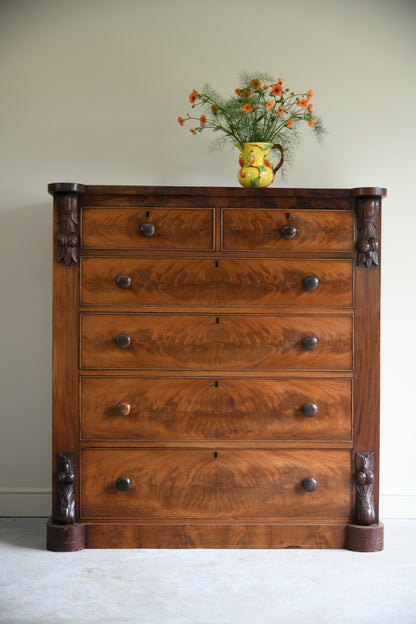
(288, 231)
(147, 229)
(123, 281)
(311, 282)
(123, 409)
(309, 409)
(123, 341)
(309, 484)
(123, 484)
(310, 343)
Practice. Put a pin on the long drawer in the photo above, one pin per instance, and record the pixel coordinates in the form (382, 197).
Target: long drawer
(177, 483)
(135, 408)
(184, 281)
(147, 228)
(296, 230)
(208, 342)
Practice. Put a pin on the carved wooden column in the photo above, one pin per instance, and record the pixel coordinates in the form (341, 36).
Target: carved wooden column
(63, 532)
(365, 534)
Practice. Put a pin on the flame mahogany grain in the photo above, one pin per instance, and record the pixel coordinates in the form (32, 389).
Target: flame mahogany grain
(207, 409)
(203, 281)
(208, 342)
(205, 484)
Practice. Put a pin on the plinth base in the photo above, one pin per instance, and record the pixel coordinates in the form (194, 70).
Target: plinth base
(365, 538)
(65, 537)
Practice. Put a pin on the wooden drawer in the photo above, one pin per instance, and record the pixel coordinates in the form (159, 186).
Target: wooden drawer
(137, 408)
(207, 342)
(121, 228)
(316, 230)
(177, 483)
(184, 281)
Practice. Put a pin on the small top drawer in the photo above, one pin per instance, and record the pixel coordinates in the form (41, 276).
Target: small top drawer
(147, 228)
(298, 230)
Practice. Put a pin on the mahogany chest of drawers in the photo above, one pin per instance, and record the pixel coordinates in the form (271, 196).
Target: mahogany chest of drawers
(215, 367)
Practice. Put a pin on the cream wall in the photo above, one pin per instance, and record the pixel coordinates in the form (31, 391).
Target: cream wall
(90, 92)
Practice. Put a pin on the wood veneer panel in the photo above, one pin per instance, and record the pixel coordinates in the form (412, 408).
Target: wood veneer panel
(206, 409)
(178, 483)
(267, 282)
(216, 342)
(104, 228)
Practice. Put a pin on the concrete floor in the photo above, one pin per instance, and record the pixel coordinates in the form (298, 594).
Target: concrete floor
(205, 586)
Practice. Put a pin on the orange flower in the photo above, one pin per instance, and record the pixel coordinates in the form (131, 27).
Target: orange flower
(193, 96)
(265, 87)
(277, 89)
(255, 84)
(180, 121)
(280, 80)
(193, 131)
(290, 123)
(309, 108)
(310, 93)
(247, 108)
(246, 94)
(269, 104)
(280, 110)
(238, 91)
(303, 103)
(214, 109)
(203, 120)
(312, 122)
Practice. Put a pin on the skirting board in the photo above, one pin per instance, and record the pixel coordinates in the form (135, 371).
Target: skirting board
(25, 502)
(36, 502)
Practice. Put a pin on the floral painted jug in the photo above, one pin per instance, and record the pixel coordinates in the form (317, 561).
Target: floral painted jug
(256, 168)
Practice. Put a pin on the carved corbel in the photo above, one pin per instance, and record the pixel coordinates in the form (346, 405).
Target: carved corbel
(63, 533)
(65, 482)
(367, 244)
(364, 485)
(67, 235)
(368, 202)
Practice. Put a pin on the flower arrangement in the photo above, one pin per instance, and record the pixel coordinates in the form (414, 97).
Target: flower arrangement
(261, 110)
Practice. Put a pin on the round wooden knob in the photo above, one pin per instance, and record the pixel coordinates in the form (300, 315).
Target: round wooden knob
(123, 341)
(311, 282)
(288, 231)
(309, 409)
(123, 281)
(147, 229)
(123, 484)
(310, 343)
(123, 409)
(309, 484)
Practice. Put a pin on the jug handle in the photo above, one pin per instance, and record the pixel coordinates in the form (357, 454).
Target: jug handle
(279, 147)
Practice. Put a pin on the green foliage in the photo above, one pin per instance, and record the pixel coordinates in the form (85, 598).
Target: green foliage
(261, 110)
